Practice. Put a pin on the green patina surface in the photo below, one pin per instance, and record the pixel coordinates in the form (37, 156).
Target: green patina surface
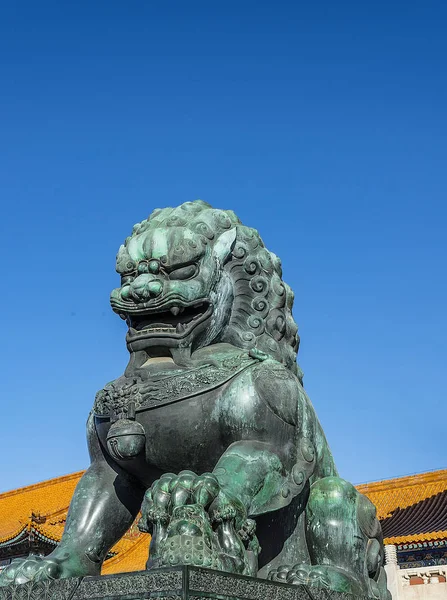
(209, 429)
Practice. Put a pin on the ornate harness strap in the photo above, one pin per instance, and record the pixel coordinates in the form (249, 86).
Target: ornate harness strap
(118, 396)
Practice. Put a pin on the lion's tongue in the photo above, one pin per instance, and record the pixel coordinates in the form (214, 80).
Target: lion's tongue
(167, 320)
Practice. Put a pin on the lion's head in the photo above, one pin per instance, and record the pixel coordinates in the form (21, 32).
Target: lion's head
(194, 275)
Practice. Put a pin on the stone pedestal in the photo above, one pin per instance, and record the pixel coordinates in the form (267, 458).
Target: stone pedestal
(176, 583)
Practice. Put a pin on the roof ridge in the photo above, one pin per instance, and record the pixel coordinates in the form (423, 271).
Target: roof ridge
(42, 484)
(414, 538)
(14, 534)
(43, 531)
(406, 481)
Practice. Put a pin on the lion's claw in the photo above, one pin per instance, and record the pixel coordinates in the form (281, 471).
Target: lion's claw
(300, 574)
(320, 576)
(172, 491)
(189, 488)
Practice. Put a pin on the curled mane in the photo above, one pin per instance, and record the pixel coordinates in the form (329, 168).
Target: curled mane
(261, 316)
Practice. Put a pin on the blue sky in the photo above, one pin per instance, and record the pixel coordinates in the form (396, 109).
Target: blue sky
(321, 124)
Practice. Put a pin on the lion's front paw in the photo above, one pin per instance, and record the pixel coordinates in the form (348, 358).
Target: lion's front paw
(321, 576)
(192, 521)
(32, 568)
(175, 512)
(189, 488)
(300, 574)
(172, 491)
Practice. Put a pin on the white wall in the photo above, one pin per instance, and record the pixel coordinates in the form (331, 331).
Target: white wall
(399, 580)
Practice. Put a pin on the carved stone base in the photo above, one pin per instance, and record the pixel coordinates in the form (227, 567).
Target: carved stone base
(175, 583)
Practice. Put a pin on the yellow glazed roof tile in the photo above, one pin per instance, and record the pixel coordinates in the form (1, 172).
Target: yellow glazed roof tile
(412, 508)
(41, 500)
(402, 492)
(131, 556)
(418, 537)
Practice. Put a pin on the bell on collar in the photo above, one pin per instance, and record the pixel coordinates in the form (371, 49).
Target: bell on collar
(126, 439)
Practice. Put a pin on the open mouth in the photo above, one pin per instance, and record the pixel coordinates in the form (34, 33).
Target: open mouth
(175, 321)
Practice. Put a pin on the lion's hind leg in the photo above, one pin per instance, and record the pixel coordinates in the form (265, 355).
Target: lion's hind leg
(104, 504)
(344, 541)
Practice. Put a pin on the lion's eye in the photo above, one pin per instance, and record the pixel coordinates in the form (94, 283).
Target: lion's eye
(183, 272)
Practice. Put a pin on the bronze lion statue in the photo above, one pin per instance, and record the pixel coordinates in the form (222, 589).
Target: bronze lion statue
(209, 431)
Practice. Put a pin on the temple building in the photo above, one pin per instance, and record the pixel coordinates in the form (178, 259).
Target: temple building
(32, 520)
(413, 514)
(412, 511)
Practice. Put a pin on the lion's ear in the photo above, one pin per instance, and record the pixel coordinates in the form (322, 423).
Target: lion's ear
(225, 244)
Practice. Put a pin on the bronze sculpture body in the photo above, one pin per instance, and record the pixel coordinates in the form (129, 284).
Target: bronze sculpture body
(209, 429)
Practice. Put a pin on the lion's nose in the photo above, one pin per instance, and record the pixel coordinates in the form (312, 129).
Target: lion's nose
(144, 288)
(155, 288)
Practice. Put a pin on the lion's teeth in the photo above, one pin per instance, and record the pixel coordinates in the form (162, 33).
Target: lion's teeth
(180, 328)
(175, 310)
